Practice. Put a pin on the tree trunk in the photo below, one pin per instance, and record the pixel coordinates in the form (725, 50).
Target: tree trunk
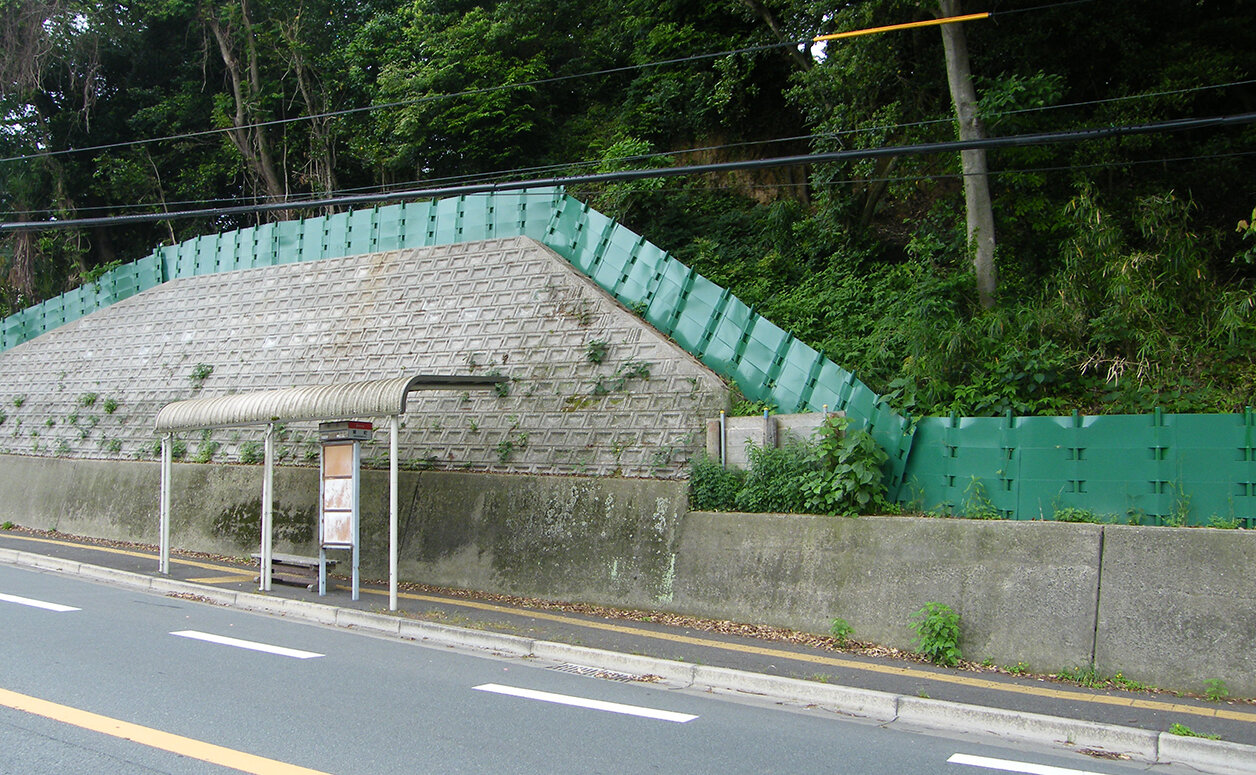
(22, 271)
(249, 139)
(980, 214)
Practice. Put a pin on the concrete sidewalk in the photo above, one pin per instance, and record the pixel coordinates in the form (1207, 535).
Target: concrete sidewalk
(1105, 724)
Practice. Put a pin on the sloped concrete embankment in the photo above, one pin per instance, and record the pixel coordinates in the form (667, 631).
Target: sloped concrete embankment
(1170, 607)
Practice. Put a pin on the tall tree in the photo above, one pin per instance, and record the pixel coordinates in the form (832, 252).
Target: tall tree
(978, 209)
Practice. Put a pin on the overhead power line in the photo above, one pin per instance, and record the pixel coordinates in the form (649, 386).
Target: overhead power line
(523, 84)
(1013, 141)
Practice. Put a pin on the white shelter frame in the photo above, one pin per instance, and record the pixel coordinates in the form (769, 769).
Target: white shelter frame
(343, 401)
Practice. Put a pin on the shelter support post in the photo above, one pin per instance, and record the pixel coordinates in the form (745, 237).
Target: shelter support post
(393, 424)
(163, 506)
(268, 507)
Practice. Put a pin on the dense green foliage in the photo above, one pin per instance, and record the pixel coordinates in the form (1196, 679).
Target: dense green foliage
(1124, 283)
(837, 472)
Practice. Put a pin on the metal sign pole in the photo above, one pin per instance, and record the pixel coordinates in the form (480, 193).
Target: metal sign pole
(357, 476)
(268, 507)
(163, 506)
(392, 512)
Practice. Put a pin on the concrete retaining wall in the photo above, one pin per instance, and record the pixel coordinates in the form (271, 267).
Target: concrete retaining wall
(1165, 606)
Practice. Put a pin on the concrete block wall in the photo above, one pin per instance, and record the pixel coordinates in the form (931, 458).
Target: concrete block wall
(91, 389)
(1171, 607)
(772, 430)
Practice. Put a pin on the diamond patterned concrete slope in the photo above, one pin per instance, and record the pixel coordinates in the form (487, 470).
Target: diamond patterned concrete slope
(92, 388)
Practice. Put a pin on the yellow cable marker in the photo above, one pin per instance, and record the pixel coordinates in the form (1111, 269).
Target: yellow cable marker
(153, 738)
(905, 26)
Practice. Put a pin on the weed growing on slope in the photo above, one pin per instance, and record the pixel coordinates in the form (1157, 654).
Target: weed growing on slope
(937, 634)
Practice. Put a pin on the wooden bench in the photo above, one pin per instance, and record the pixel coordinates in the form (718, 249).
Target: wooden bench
(294, 569)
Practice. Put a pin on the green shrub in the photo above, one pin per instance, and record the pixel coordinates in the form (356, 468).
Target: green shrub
(937, 634)
(848, 480)
(251, 452)
(711, 486)
(1215, 690)
(841, 630)
(774, 483)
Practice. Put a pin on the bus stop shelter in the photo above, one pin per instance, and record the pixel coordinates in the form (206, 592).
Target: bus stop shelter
(383, 398)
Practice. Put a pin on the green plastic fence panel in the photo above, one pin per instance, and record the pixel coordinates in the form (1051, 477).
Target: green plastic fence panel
(1044, 460)
(173, 257)
(246, 248)
(929, 481)
(724, 342)
(669, 292)
(1209, 472)
(980, 481)
(169, 258)
(477, 219)
(148, 273)
(510, 216)
(204, 255)
(420, 222)
(643, 264)
(758, 351)
(225, 256)
(698, 308)
(539, 206)
(793, 379)
(314, 239)
(360, 231)
(564, 231)
(610, 265)
(1111, 468)
(444, 223)
(589, 245)
(287, 242)
(388, 228)
(832, 390)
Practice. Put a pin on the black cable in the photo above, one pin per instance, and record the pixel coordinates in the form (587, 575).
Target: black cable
(403, 103)
(1014, 141)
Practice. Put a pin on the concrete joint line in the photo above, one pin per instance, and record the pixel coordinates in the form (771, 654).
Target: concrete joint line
(1143, 745)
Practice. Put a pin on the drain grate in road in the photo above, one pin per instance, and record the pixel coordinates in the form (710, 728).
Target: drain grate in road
(608, 675)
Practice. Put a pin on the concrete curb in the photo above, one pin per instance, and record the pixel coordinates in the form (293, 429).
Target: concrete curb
(1139, 744)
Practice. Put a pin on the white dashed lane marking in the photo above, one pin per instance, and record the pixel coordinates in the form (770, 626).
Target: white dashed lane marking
(223, 640)
(1007, 765)
(581, 702)
(37, 603)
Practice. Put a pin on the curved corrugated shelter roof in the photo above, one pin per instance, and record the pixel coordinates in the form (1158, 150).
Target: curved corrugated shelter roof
(374, 398)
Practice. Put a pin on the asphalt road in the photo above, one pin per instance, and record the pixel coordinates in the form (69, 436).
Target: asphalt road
(335, 701)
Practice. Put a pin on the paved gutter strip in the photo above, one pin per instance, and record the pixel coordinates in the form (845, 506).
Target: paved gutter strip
(1143, 745)
(1213, 755)
(361, 620)
(447, 635)
(672, 671)
(865, 703)
(1139, 744)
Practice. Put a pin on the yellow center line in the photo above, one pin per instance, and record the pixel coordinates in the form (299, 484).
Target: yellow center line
(849, 664)
(126, 552)
(222, 579)
(153, 738)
